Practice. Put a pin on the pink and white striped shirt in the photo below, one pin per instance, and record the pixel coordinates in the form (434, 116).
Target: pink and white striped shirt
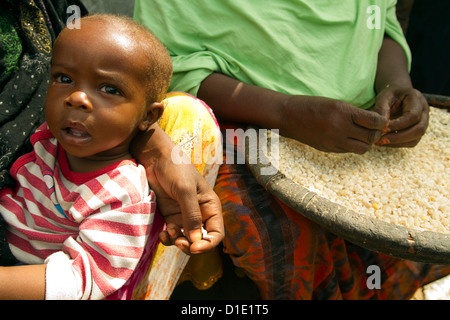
(90, 229)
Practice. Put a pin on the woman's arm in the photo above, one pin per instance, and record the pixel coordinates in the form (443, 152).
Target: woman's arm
(22, 282)
(392, 68)
(325, 124)
(233, 100)
(183, 195)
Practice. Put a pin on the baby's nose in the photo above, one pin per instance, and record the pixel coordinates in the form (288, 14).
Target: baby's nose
(78, 99)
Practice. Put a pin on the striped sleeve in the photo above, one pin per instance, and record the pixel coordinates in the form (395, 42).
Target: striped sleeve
(115, 221)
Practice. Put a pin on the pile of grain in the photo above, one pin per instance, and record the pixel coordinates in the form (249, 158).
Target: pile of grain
(403, 186)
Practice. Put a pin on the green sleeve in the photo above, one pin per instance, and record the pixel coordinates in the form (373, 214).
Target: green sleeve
(193, 68)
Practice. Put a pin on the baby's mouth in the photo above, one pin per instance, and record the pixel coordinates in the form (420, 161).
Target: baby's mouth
(75, 133)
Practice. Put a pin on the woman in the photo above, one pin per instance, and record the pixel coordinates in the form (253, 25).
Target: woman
(312, 70)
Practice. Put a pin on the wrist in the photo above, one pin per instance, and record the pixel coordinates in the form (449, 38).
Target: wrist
(152, 145)
(393, 84)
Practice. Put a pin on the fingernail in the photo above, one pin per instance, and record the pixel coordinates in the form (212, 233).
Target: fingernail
(382, 142)
(172, 232)
(195, 235)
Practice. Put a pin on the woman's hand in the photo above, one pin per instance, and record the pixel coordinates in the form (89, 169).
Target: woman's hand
(408, 114)
(406, 108)
(330, 125)
(187, 202)
(183, 196)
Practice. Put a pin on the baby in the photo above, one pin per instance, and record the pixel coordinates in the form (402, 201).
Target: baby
(82, 215)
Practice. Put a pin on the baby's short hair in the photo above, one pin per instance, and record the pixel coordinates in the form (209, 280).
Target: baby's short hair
(159, 69)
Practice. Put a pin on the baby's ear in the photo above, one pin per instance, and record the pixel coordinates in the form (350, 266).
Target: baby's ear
(154, 112)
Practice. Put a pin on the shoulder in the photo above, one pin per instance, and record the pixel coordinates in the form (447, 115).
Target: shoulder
(42, 133)
(126, 183)
(44, 150)
(131, 176)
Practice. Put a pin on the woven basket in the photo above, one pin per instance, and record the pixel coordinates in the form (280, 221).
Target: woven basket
(360, 229)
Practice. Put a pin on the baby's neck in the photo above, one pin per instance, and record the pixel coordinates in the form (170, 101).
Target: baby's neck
(94, 163)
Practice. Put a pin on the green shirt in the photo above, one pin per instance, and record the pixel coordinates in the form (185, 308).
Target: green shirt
(308, 47)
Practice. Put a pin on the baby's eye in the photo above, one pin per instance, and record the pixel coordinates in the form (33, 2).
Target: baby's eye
(110, 90)
(63, 79)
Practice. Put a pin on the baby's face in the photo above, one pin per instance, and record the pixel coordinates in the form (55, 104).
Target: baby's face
(96, 97)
